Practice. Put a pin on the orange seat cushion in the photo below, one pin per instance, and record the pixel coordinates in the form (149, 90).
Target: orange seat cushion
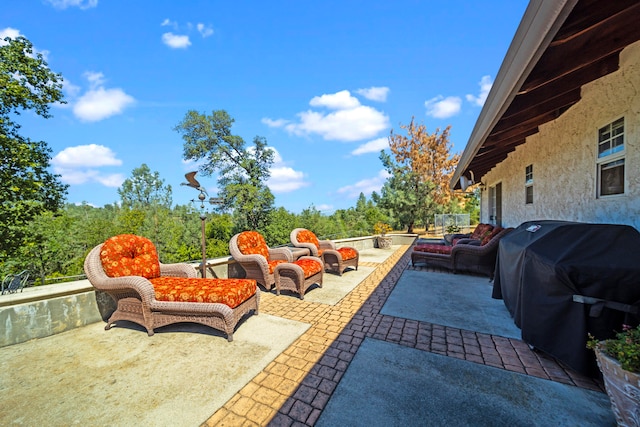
(347, 253)
(274, 263)
(309, 267)
(130, 255)
(231, 292)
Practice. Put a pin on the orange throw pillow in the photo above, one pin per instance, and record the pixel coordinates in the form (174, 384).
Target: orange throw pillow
(130, 255)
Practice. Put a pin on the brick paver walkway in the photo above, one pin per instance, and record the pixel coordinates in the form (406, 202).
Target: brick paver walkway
(296, 386)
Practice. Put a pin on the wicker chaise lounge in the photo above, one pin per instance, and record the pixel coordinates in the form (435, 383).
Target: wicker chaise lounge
(153, 294)
(463, 256)
(335, 259)
(275, 266)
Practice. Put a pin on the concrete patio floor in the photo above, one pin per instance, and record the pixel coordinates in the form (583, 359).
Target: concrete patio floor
(303, 378)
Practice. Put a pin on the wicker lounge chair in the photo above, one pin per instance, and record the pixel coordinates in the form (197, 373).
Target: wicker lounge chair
(468, 257)
(335, 259)
(153, 294)
(275, 266)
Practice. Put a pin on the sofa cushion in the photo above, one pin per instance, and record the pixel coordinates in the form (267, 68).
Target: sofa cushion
(434, 249)
(309, 266)
(481, 231)
(252, 243)
(491, 235)
(130, 255)
(231, 292)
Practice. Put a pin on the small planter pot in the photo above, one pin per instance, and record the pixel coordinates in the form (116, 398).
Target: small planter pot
(623, 388)
(384, 242)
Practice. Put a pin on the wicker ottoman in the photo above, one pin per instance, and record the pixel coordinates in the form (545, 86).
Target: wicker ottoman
(293, 277)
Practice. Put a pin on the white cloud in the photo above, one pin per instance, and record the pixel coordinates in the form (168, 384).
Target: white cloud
(372, 147)
(350, 121)
(78, 165)
(82, 4)
(168, 22)
(8, 32)
(204, 30)
(442, 108)
(284, 179)
(343, 125)
(342, 100)
(375, 93)
(485, 87)
(71, 90)
(176, 41)
(99, 103)
(365, 186)
(274, 123)
(86, 156)
(113, 180)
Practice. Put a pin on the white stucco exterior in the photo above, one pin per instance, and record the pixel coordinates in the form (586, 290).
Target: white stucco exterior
(564, 152)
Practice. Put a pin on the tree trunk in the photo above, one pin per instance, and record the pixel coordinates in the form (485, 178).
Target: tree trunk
(410, 228)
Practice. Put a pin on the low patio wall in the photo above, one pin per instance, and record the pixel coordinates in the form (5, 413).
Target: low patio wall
(41, 311)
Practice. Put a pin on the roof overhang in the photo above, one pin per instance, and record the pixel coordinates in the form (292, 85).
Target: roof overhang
(558, 47)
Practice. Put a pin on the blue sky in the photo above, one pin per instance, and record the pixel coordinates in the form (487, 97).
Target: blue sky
(324, 82)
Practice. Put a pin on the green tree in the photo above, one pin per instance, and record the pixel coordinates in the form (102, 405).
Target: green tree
(242, 171)
(406, 194)
(27, 188)
(427, 165)
(145, 189)
(278, 231)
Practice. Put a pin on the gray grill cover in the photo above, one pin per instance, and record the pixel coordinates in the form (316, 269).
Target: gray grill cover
(539, 273)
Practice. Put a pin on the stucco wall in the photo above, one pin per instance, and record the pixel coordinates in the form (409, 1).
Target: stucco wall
(563, 154)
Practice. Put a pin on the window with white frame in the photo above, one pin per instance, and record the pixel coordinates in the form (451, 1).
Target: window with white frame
(528, 185)
(611, 159)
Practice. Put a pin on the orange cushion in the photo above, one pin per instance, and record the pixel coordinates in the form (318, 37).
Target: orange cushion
(130, 255)
(231, 292)
(306, 236)
(309, 267)
(347, 253)
(252, 243)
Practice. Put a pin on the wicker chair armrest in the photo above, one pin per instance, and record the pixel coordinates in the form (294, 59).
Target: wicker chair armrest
(258, 260)
(457, 236)
(280, 253)
(178, 270)
(137, 284)
(467, 241)
(313, 249)
(470, 249)
(327, 244)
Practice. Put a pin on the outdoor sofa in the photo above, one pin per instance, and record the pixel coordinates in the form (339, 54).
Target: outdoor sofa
(466, 255)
